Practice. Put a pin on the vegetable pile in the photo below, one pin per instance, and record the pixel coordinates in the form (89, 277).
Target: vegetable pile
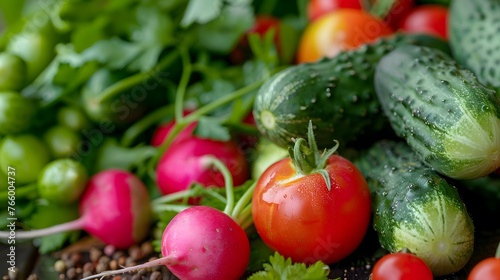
(253, 139)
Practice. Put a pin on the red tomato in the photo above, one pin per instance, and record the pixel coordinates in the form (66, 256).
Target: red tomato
(339, 30)
(487, 269)
(263, 23)
(398, 12)
(401, 266)
(429, 19)
(299, 217)
(317, 8)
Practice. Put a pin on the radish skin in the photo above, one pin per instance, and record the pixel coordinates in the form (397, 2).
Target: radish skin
(200, 243)
(183, 165)
(114, 208)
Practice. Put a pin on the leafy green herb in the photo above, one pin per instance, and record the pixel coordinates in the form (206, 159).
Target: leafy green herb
(47, 215)
(281, 268)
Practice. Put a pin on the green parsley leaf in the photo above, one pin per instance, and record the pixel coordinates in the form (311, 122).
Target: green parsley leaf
(47, 215)
(212, 128)
(112, 155)
(280, 268)
(201, 11)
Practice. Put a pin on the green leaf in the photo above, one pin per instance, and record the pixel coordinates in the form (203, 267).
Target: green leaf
(47, 215)
(10, 11)
(280, 268)
(201, 11)
(221, 34)
(112, 155)
(212, 128)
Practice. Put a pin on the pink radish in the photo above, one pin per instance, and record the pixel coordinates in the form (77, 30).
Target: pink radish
(202, 242)
(182, 165)
(162, 131)
(114, 208)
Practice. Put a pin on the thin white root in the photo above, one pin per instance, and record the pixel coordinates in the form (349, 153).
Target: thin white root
(168, 260)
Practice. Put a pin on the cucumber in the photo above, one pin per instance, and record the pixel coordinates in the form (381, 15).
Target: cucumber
(442, 111)
(416, 208)
(474, 40)
(337, 94)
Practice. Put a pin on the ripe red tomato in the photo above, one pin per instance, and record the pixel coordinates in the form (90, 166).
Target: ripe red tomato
(401, 266)
(298, 216)
(339, 30)
(487, 269)
(429, 19)
(317, 8)
(262, 24)
(398, 12)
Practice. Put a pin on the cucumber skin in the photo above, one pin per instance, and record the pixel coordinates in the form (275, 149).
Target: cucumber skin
(337, 94)
(474, 40)
(442, 111)
(406, 196)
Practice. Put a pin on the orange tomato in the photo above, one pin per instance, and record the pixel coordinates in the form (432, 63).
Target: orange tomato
(339, 30)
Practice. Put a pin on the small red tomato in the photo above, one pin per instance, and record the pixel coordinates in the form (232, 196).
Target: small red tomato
(487, 269)
(401, 266)
(317, 8)
(429, 19)
(398, 12)
(311, 213)
(339, 30)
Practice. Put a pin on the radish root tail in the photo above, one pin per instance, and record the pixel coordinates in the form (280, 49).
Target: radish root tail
(168, 260)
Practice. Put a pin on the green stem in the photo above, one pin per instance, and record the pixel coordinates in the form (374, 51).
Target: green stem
(136, 129)
(169, 207)
(195, 115)
(497, 254)
(243, 201)
(181, 89)
(228, 181)
(246, 224)
(245, 214)
(174, 196)
(135, 79)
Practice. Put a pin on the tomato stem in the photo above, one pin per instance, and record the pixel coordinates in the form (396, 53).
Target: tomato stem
(307, 159)
(497, 254)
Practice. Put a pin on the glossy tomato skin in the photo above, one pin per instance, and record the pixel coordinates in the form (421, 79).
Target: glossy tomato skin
(300, 218)
(401, 266)
(487, 269)
(317, 8)
(429, 19)
(339, 30)
(398, 12)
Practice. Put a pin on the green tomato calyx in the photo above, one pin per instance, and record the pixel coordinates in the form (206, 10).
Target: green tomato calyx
(307, 159)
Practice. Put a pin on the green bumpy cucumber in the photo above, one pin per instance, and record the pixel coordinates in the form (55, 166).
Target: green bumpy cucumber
(474, 27)
(442, 111)
(336, 94)
(416, 208)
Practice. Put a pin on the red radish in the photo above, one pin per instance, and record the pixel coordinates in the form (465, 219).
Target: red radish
(114, 208)
(202, 242)
(162, 131)
(183, 165)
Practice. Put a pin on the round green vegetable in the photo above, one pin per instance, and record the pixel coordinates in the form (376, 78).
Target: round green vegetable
(26, 153)
(12, 72)
(62, 141)
(16, 112)
(62, 181)
(73, 117)
(121, 109)
(36, 46)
